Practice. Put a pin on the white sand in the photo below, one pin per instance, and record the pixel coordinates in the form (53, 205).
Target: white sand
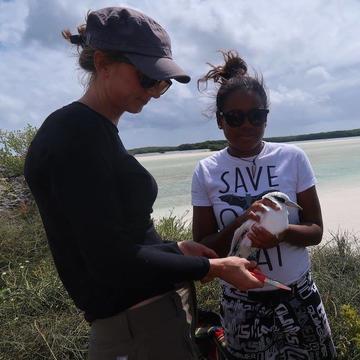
(340, 210)
(339, 202)
(173, 155)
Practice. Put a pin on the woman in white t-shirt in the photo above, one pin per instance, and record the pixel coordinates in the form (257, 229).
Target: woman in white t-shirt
(226, 191)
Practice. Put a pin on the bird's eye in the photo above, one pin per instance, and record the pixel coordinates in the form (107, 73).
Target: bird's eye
(279, 199)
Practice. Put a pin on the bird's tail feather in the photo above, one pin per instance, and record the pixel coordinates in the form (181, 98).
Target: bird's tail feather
(239, 238)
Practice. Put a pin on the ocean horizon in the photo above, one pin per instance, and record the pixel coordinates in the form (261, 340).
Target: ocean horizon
(336, 163)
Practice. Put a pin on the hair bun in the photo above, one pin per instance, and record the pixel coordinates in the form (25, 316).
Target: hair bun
(234, 65)
(77, 39)
(233, 76)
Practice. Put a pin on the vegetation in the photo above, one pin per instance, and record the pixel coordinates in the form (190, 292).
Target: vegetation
(13, 147)
(214, 145)
(39, 321)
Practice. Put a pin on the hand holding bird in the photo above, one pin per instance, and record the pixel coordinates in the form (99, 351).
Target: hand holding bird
(271, 214)
(261, 238)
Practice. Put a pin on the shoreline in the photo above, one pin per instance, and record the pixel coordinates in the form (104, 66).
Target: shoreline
(173, 154)
(294, 142)
(337, 172)
(204, 152)
(339, 210)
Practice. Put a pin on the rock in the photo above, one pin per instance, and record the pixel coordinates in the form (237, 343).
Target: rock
(14, 193)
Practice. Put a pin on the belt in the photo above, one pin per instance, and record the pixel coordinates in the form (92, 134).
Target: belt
(147, 301)
(156, 297)
(271, 295)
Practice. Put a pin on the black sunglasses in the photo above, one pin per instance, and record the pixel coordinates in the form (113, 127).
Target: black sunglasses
(235, 118)
(161, 86)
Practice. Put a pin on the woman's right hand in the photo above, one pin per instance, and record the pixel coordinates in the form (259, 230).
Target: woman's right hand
(256, 207)
(235, 271)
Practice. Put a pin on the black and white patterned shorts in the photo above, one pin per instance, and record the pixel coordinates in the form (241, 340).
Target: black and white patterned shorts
(277, 325)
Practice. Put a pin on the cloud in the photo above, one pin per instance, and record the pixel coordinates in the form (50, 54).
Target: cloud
(318, 73)
(46, 20)
(12, 22)
(34, 84)
(308, 53)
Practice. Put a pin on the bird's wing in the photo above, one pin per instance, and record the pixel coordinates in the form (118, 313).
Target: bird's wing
(275, 221)
(239, 236)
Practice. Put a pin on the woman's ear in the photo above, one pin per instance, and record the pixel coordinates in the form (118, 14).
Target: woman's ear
(219, 120)
(100, 62)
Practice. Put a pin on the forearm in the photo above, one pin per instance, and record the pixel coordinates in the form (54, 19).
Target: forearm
(305, 234)
(111, 262)
(310, 230)
(235, 271)
(220, 242)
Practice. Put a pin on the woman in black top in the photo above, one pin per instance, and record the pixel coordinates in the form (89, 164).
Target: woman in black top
(95, 199)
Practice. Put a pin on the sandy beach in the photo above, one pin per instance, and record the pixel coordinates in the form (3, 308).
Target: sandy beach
(335, 162)
(173, 155)
(340, 208)
(340, 211)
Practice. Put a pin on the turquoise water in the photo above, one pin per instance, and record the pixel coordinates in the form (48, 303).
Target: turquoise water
(336, 163)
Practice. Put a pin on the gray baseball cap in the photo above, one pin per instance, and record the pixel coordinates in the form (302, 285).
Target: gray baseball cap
(140, 38)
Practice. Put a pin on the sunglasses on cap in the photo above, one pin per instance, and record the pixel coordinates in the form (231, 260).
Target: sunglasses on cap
(235, 118)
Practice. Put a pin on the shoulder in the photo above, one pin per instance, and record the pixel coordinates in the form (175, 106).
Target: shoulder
(74, 117)
(284, 149)
(72, 125)
(213, 160)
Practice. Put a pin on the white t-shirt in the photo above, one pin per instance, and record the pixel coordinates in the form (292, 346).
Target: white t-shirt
(226, 183)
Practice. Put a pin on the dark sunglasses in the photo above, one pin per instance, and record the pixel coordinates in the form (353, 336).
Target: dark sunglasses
(160, 86)
(235, 118)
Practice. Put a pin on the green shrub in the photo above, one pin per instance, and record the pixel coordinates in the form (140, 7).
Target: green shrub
(349, 338)
(39, 321)
(22, 238)
(173, 228)
(13, 148)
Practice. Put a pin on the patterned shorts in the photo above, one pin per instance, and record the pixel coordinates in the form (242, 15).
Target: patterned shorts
(277, 325)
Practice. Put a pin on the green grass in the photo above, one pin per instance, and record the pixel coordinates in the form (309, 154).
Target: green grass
(39, 321)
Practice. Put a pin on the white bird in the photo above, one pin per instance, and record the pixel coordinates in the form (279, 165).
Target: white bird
(274, 221)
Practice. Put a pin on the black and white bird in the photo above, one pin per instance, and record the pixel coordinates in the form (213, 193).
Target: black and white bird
(274, 221)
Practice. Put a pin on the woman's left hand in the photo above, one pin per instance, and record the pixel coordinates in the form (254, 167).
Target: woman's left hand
(262, 239)
(192, 248)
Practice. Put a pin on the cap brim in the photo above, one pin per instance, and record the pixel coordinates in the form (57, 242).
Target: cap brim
(158, 68)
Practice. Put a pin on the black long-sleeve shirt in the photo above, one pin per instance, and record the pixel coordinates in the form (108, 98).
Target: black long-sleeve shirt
(95, 202)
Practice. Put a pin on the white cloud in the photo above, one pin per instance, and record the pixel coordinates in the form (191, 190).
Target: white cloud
(36, 83)
(318, 73)
(308, 52)
(296, 96)
(12, 21)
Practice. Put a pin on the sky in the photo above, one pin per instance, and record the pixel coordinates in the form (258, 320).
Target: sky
(307, 51)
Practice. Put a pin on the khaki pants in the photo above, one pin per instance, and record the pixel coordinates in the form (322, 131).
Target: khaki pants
(160, 330)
